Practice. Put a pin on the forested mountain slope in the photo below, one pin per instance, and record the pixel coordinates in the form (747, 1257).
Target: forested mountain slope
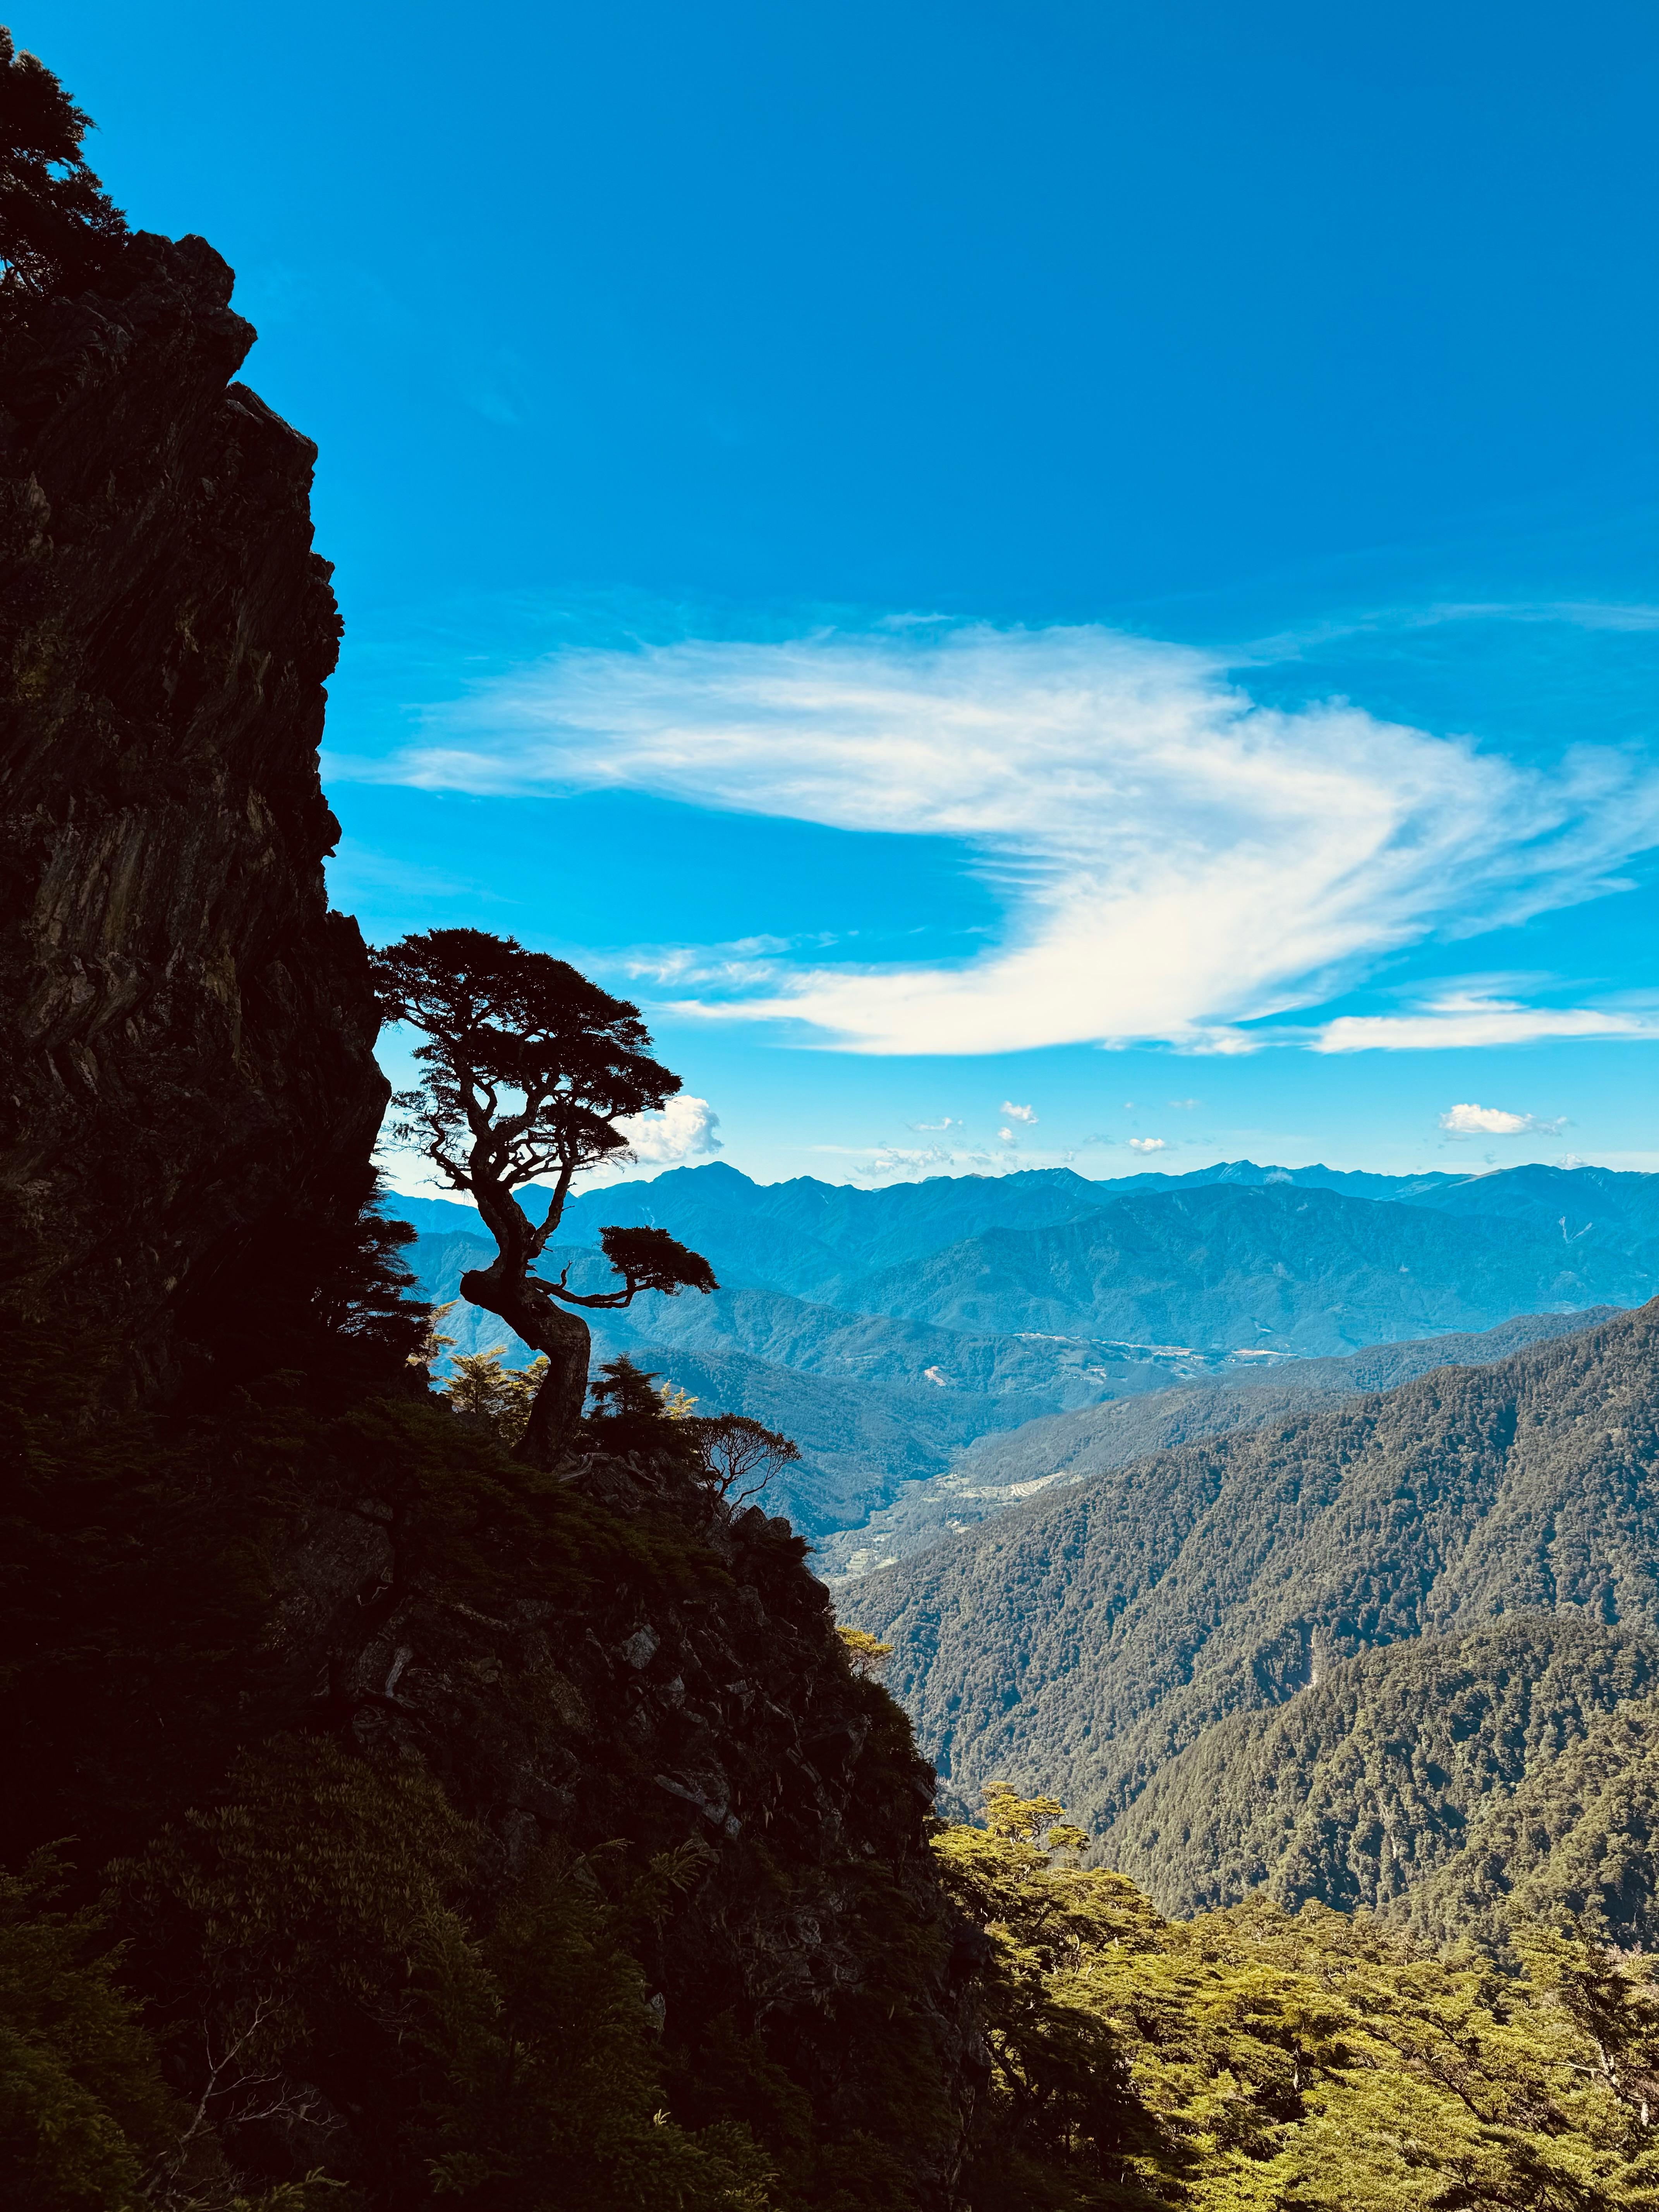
(1000, 1469)
(1573, 1845)
(1084, 1640)
(1590, 1205)
(1410, 1762)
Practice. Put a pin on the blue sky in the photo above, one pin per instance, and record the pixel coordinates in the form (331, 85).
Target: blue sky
(1089, 559)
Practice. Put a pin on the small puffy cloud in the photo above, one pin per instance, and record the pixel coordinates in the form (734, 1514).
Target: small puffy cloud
(685, 1130)
(1026, 1113)
(1146, 1143)
(1471, 1120)
(1006, 1136)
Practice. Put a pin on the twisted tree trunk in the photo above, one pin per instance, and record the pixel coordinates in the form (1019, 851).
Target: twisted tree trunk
(551, 1330)
(532, 1312)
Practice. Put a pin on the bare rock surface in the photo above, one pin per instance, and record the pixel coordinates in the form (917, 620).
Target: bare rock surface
(188, 1030)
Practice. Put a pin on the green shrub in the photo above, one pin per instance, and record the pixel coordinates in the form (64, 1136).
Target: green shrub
(83, 2109)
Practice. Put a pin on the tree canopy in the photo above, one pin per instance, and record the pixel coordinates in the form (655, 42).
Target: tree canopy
(503, 1023)
(1254, 2058)
(57, 226)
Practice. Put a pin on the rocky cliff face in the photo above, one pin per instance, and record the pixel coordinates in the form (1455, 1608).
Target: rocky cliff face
(280, 1588)
(617, 1670)
(188, 1031)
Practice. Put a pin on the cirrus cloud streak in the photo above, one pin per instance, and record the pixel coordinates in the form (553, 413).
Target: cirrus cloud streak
(1176, 858)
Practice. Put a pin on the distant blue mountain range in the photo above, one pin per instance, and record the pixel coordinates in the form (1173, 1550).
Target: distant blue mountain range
(887, 1329)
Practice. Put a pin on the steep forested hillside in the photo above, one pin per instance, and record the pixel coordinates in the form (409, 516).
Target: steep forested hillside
(1414, 1762)
(1081, 1641)
(1573, 1846)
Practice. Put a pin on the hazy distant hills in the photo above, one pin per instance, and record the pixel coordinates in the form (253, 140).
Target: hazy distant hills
(888, 1329)
(867, 1398)
(805, 1236)
(1277, 1267)
(1000, 1470)
(1084, 1640)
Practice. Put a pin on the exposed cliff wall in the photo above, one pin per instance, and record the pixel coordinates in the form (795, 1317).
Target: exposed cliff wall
(339, 1681)
(188, 1031)
(602, 1671)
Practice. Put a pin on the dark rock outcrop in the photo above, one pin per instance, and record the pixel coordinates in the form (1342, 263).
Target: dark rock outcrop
(679, 1687)
(188, 1030)
(279, 1541)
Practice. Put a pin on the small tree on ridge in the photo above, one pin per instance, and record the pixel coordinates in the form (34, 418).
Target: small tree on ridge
(739, 1457)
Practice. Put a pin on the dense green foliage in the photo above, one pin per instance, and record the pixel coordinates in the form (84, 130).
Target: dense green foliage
(1083, 1640)
(321, 1907)
(1576, 1836)
(342, 1976)
(83, 2109)
(1394, 1767)
(1254, 2059)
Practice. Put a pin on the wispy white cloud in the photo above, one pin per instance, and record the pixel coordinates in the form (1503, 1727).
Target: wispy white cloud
(891, 1163)
(1175, 859)
(1462, 1020)
(1472, 1120)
